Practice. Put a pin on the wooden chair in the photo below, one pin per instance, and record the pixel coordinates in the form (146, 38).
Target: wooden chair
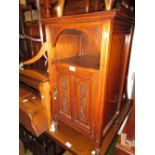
(34, 97)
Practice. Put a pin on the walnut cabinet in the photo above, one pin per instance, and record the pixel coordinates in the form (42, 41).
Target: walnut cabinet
(88, 58)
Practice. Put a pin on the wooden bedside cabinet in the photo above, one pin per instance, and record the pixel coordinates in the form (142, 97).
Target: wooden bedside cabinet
(88, 58)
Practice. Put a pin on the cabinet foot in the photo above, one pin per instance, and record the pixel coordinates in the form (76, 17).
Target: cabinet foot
(53, 126)
(95, 151)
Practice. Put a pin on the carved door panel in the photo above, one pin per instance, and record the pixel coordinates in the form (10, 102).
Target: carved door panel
(83, 89)
(64, 98)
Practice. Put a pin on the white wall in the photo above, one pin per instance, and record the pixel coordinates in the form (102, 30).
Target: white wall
(131, 72)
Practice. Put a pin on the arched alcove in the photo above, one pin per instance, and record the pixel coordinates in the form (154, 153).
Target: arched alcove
(74, 42)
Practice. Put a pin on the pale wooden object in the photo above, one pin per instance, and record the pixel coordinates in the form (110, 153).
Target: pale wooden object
(38, 56)
(44, 88)
(109, 4)
(59, 8)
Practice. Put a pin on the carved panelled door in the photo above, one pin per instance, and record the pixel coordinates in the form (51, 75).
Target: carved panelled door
(75, 98)
(83, 89)
(64, 98)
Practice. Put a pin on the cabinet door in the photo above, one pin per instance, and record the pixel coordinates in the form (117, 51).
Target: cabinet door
(64, 90)
(83, 93)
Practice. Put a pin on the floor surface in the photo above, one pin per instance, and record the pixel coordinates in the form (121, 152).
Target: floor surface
(22, 151)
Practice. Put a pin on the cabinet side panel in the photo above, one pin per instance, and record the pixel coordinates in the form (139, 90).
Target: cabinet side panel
(114, 76)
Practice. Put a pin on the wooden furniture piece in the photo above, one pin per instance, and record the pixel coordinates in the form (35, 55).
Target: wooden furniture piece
(31, 113)
(126, 142)
(32, 30)
(35, 109)
(41, 145)
(80, 144)
(70, 7)
(34, 98)
(129, 128)
(88, 58)
(87, 62)
(124, 149)
(24, 45)
(51, 8)
(58, 8)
